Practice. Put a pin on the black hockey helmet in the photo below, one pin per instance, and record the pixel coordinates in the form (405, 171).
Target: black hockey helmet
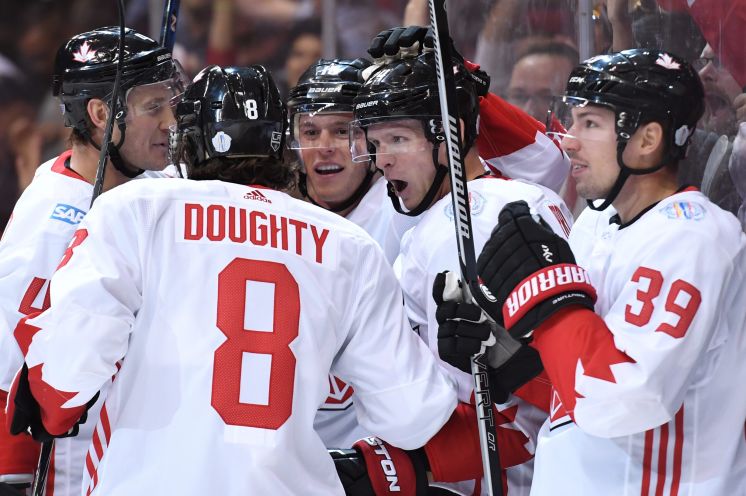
(85, 67)
(327, 86)
(408, 89)
(232, 112)
(640, 86)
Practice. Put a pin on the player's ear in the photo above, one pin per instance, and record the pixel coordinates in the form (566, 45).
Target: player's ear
(647, 144)
(652, 138)
(98, 112)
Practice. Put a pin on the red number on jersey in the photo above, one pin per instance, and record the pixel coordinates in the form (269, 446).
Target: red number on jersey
(684, 312)
(27, 303)
(79, 236)
(645, 297)
(226, 378)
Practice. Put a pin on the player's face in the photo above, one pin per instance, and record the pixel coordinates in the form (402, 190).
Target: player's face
(149, 116)
(406, 158)
(591, 145)
(331, 176)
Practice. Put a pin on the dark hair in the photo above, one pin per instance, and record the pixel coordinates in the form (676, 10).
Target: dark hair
(552, 48)
(262, 171)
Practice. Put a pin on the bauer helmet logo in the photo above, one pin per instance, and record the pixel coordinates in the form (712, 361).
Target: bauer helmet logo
(84, 53)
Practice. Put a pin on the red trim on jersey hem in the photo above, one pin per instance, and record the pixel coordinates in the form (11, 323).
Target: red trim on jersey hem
(59, 167)
(678, 451)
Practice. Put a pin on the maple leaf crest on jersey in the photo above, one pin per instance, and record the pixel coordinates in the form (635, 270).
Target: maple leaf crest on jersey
(84, 53)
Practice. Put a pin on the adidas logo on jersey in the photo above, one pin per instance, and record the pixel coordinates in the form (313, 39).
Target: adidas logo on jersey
(257, 195)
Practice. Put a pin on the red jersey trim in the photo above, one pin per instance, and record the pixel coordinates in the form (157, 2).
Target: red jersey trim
(59, 167)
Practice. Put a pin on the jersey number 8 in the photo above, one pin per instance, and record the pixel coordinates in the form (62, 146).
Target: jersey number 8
(275, 342)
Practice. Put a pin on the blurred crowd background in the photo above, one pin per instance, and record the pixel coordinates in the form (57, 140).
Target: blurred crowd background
(527, 46)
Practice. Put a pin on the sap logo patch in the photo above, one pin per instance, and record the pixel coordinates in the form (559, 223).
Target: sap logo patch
(683, 210)
(67, 213)
(476, 205)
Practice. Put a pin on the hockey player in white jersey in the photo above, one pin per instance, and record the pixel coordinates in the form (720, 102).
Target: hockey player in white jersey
(641, 327)
(51, 208)
(220, 307)
(398, 125)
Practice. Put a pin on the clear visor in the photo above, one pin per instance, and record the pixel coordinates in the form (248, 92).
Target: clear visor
(319, 129)
(153, 98)
(377, 137)
(579, 118)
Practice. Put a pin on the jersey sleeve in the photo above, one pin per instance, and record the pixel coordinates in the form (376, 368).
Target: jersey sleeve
(515, 144)
(402, 396)
(628, 370)
(30, 250)
(95, 294)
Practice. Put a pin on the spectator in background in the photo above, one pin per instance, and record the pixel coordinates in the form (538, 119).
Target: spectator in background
(305, 49)
(20, 143)
(538, 75)
(724, 100)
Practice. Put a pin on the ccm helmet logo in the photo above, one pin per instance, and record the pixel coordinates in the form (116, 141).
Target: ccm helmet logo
(68, 214)
(576, 79)
(387, 464)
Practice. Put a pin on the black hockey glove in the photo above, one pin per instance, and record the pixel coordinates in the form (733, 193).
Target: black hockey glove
(527, 272)
(462, 330)
(401, 42)
(411, 41)
(24, 415)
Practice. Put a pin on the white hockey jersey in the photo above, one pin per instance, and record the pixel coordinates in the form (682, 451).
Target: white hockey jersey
(226, 306)
(648, 397)
(430, 248)
(336, 422)
(43, 223)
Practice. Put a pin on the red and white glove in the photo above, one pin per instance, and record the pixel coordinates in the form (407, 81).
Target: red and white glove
(392, 470)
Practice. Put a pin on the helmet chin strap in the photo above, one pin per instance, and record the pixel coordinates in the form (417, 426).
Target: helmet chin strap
(114, 155)
(352, 200)
(440, 174)
(624, 173)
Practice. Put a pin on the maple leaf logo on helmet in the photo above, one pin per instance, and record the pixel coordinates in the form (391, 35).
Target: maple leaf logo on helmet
(84, 53)
(665, 60)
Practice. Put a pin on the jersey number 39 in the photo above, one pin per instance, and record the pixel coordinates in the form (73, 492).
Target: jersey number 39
(271, 343)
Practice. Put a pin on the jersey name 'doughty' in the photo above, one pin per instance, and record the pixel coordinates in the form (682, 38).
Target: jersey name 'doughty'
(67, 213)
(221, 223)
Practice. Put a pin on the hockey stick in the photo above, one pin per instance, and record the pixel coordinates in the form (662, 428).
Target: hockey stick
(103, 158)
(462, 218)
(168, 25)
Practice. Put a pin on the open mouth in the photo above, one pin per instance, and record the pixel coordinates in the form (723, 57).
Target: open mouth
(399, 185)
(328, 169)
